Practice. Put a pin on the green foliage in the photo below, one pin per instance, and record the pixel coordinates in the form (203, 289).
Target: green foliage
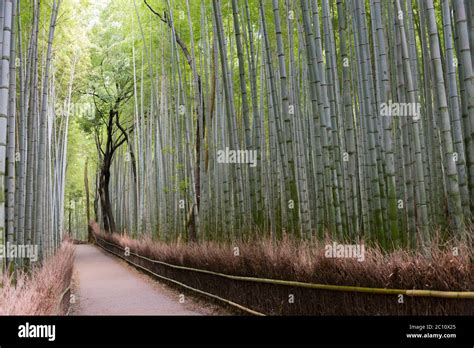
(80, 148)
(116, 43)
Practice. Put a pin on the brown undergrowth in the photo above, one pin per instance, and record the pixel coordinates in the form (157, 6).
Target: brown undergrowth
(41, 291)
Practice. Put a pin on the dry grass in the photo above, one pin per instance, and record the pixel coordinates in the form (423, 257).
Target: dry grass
(39, 292)
(306, 262)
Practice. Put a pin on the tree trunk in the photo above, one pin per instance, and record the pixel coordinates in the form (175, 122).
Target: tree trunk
(104, 194)
(88, 213)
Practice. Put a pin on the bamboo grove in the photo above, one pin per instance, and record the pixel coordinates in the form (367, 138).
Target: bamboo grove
(33, 136)
(359, 113)
(233, 120)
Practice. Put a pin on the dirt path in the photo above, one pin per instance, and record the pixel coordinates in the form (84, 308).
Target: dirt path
(105, 285)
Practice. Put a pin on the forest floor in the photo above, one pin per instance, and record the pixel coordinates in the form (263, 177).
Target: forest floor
(104, 285)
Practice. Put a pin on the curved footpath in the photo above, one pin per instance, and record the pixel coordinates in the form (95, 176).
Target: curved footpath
(105, 285)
